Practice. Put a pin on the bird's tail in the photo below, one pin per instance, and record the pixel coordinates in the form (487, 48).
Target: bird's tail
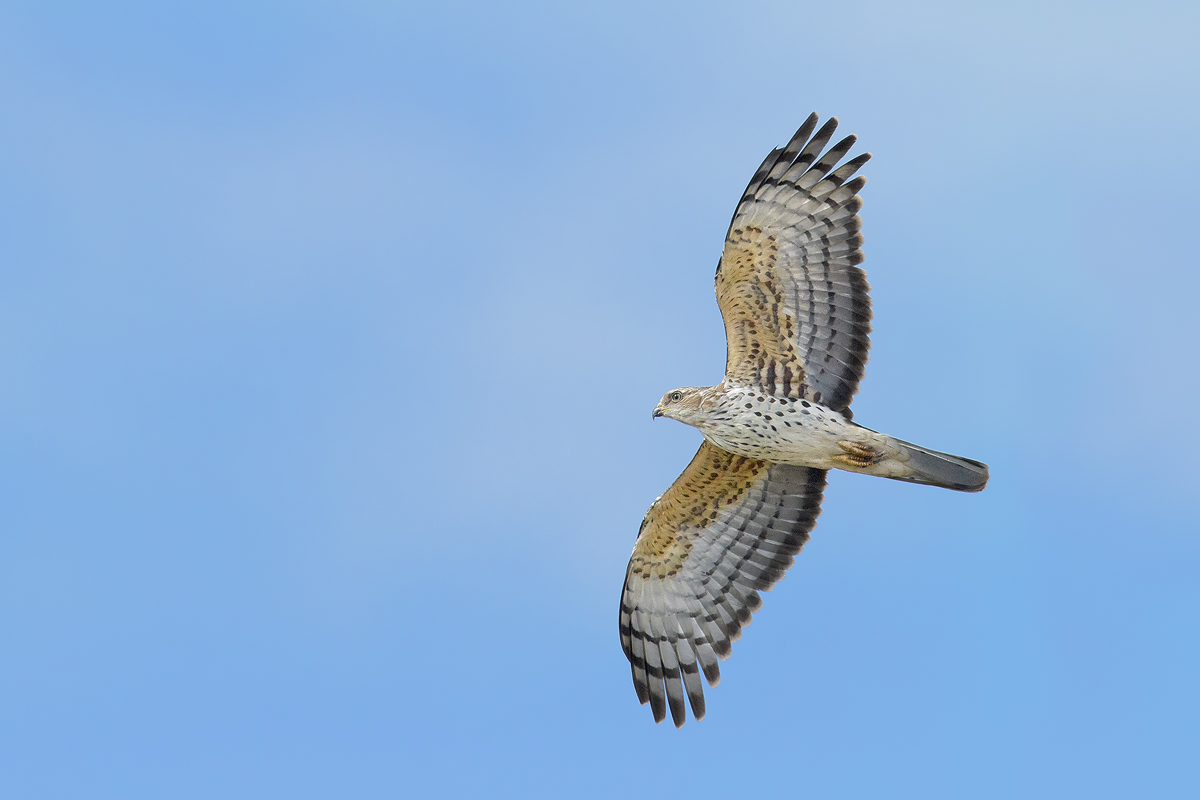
(942, 469)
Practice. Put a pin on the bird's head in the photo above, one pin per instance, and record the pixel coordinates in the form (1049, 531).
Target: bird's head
(682, 404)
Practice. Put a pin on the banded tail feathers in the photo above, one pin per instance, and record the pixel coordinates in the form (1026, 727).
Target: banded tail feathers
(942, 469)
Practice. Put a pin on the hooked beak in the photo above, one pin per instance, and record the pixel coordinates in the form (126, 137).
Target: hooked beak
(658, 412)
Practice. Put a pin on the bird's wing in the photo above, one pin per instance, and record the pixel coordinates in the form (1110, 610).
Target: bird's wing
(726, 529)
(797, 311)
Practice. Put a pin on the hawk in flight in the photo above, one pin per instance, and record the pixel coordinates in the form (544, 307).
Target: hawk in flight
(797, 319)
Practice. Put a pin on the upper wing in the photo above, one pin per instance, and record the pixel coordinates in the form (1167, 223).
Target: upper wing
(726, 528)
(797, 311)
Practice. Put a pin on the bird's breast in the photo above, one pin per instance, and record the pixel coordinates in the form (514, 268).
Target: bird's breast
(776, 429)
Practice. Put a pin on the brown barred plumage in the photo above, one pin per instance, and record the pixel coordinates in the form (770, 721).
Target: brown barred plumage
(797, 322)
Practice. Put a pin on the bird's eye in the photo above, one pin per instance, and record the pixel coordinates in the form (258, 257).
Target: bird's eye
(676, 395)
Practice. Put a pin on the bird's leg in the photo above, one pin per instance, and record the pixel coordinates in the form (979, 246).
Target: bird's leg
(858, 455)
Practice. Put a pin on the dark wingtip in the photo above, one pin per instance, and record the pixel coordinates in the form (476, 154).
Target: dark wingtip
(658, 706)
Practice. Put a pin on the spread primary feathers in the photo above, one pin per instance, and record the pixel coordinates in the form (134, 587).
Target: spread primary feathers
(797, 322)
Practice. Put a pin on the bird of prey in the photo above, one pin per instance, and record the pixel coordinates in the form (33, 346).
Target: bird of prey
(797, 319)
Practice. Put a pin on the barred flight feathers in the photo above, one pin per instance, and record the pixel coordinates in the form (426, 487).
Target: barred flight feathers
(796, 308)
(797, 315)
(727, 529)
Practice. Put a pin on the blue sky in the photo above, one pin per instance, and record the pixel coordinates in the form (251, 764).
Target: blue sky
(331, 332)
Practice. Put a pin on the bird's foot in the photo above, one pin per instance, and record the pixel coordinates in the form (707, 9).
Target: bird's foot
(859, 455)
